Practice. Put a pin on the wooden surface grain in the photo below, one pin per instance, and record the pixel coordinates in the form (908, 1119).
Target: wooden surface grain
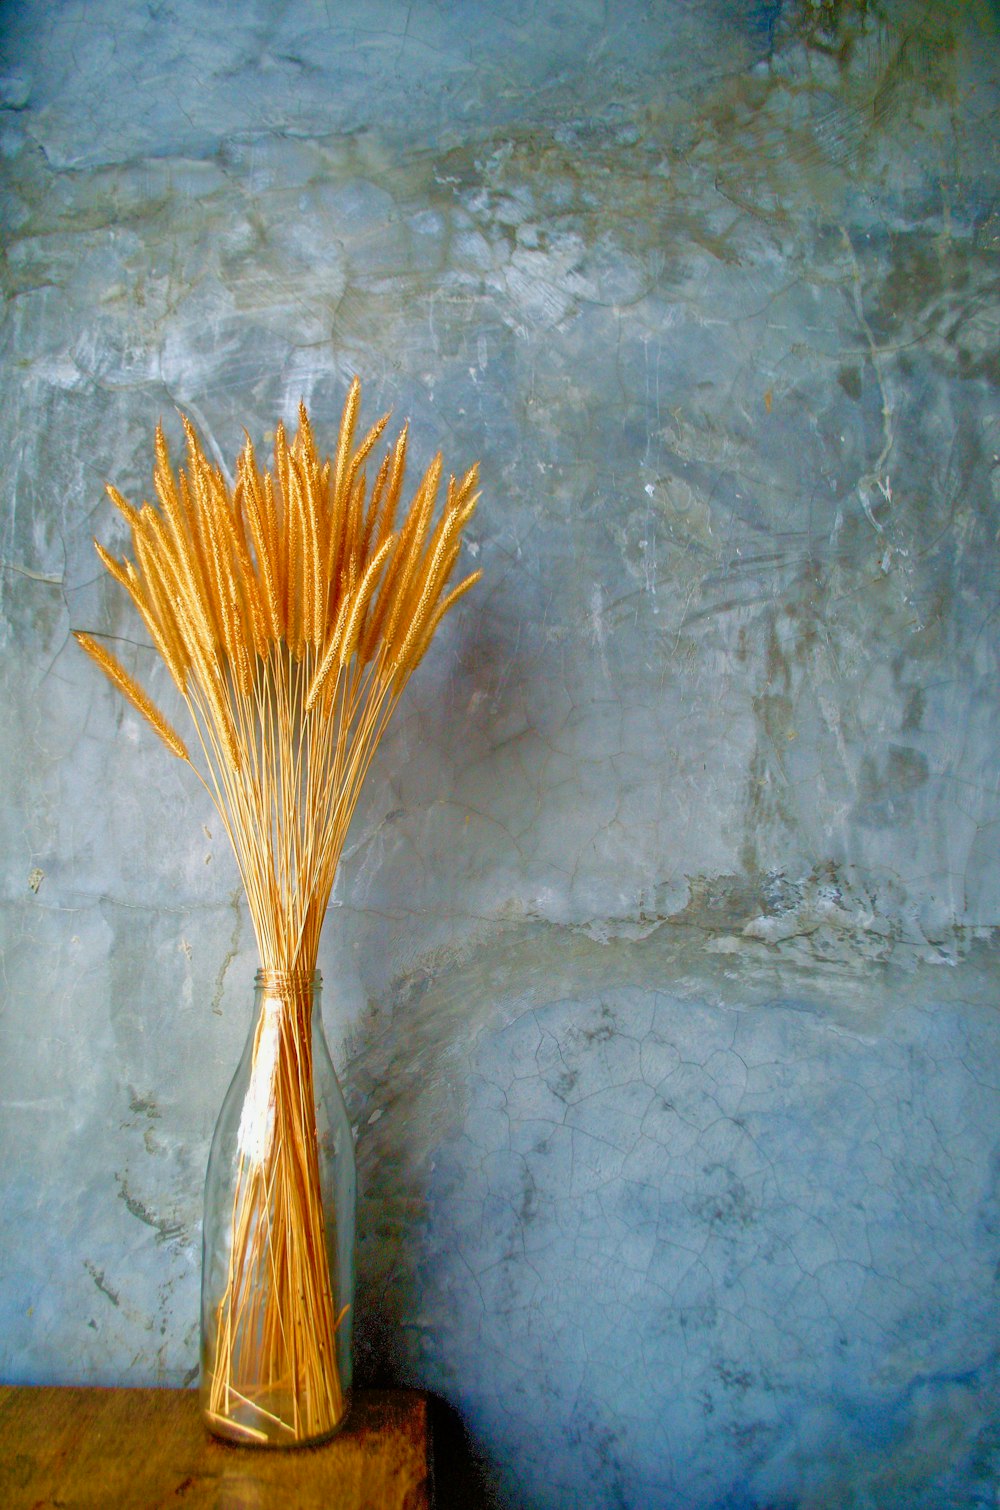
(101, 1449)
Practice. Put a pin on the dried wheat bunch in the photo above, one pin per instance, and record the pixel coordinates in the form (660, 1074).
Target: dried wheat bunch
(290, 611)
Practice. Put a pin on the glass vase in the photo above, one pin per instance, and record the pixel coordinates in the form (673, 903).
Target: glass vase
(277, 1301)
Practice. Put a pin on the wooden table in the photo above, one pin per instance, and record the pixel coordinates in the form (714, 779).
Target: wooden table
(114, 1449)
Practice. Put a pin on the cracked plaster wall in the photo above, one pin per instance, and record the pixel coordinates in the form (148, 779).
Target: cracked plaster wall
(661, 967)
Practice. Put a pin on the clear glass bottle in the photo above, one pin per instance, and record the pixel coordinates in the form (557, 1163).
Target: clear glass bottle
(277, 1301)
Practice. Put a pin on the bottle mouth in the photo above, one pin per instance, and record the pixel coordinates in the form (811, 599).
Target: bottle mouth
(287, 981)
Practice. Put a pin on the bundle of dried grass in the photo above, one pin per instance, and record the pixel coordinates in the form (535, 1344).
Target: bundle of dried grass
(290, 611)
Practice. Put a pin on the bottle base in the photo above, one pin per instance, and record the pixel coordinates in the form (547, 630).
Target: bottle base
(254, 1425)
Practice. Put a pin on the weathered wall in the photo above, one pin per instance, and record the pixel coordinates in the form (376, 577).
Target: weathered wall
(660, 970)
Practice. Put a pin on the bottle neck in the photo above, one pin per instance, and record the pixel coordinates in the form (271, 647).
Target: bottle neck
(291, 991)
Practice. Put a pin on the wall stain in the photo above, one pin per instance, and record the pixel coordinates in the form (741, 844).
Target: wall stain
(165, 1230)
(231, 952)
(98, 1276)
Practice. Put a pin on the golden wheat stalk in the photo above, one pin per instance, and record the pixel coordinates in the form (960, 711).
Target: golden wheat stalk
(290, 611)
(131, 690)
